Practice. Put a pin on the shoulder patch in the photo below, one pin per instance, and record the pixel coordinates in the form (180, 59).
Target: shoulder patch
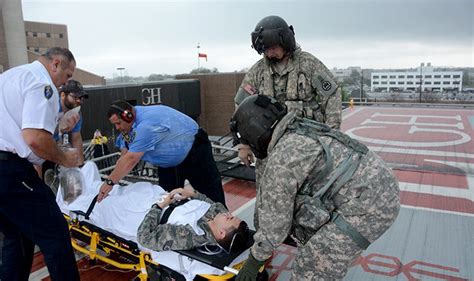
(48, 92)
(324, 84)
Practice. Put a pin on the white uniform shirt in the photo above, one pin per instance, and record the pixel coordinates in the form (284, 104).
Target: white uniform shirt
(28, 99)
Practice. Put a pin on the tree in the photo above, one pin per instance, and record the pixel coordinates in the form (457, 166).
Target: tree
(204, 70)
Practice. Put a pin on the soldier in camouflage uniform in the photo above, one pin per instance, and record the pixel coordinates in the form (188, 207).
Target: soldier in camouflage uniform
(294, 77)
(220, 227)
(328, 191)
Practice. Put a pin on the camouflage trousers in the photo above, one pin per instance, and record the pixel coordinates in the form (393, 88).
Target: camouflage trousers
(329, 253)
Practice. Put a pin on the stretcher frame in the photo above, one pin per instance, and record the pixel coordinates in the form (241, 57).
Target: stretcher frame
(122, 253)
(99, 244)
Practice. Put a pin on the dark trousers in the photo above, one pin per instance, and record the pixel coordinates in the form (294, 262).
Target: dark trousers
(199, 168)
(29, 215)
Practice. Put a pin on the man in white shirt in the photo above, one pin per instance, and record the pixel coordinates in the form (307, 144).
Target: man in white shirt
(29, 215)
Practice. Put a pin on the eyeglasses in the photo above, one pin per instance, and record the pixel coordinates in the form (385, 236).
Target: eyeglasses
(76, 97)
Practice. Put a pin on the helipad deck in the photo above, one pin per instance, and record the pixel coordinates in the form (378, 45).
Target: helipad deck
(432, 153)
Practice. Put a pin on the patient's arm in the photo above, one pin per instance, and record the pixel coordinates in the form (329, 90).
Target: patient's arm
(164, 237)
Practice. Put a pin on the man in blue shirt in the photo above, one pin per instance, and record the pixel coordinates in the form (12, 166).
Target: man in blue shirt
(168, 139)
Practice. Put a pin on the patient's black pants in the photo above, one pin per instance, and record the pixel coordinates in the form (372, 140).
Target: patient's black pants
(29, 215)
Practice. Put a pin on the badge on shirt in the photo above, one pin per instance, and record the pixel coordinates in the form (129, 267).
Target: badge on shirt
(48, 92)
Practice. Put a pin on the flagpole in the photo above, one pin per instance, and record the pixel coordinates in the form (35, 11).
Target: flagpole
(198, 55)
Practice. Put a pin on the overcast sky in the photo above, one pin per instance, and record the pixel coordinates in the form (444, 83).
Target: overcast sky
(161, 36)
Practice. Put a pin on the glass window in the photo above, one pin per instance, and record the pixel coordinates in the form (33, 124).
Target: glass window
(375, 83)
(456, 76)
(392, 76)
(48, 35)
(437, 83)
(392, 82)
(437, 76)
(427, 76)
(401, 76)
(376, 76)
(383, 82)
(35, 34)
(446, 76)
(409, 82)
(418, 76)
(427, 83)
(446, 82)
(384, 76)
(409, 76)
(60, 35)
(401, 82)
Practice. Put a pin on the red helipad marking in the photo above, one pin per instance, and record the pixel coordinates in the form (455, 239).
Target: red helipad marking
(437, 202)
(417, 143)
(432, 178)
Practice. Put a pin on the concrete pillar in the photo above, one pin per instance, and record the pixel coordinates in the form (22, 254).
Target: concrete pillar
(14, 30)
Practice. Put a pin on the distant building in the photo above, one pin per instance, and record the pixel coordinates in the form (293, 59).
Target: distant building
(22, 42)
(409, 80)
(341, 73)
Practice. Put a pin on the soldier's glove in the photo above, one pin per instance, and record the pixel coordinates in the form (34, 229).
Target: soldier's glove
(249, 271)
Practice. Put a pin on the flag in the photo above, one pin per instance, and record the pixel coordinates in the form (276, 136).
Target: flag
(201, 55)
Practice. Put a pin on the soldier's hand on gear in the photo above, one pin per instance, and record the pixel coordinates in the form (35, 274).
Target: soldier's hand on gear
(71, 158)
(104, 192)
(249, 271)
(185, 193)
(246, 155)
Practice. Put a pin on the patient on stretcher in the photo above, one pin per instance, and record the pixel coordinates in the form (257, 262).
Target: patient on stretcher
(192, 222)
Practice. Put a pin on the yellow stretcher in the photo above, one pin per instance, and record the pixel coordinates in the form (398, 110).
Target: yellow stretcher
(99, 244)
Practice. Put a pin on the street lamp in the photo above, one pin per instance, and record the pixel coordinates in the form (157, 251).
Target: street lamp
(121, 73)
(421, 79)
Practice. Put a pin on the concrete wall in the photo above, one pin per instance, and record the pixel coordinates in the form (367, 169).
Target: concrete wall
(12, 40)
(217, 99)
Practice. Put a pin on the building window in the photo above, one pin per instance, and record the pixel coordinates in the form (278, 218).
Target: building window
(383, 82)
(60, 35)
(446, 76)
(456, 76)
(376, 76)
(427, 76)
(401, 83)
(392, 76)
(384, 76)
(437, 76)
(401, 76)
(35, 34)
(48, 35)
(427, 83)
(446, 82)
(375, 83)
(418, 76)
(392, 82)
(437, 83)
(456, 82)
(37, 50)
(409, 76)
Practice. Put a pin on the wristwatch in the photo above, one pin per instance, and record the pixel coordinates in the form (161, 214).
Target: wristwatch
(109, 182)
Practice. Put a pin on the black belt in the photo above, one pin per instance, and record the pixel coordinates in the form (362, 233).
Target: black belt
(5, 155)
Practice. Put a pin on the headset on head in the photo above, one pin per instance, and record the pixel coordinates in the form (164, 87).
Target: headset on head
(125, 114)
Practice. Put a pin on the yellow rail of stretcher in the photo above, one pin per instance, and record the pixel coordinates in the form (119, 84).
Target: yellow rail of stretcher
(110, 245)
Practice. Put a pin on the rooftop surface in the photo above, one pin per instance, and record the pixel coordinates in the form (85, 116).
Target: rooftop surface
(431, 151)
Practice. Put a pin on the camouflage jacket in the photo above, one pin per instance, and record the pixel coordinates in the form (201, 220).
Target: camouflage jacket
(294, 158)
(163, 237)
(304, 85)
